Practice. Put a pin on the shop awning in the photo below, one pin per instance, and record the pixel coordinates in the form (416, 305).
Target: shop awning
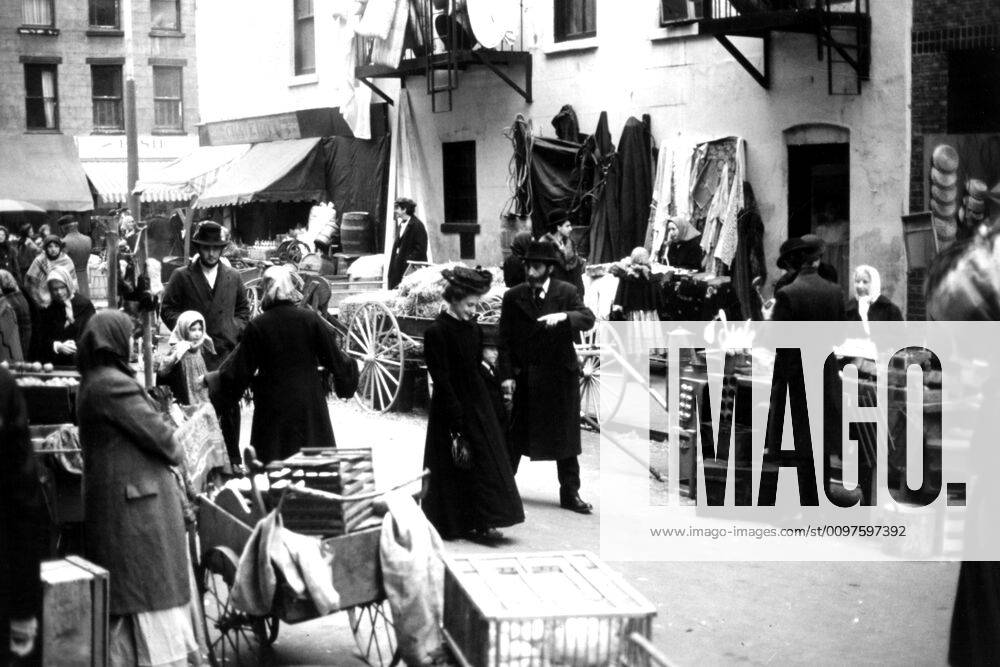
(110, 180)
(191, 174)
(44, 169)
(275, 171)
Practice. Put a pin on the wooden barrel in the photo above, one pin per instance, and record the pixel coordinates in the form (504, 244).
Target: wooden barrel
(357, 234)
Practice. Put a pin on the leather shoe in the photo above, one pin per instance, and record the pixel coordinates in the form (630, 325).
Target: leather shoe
(576, 504)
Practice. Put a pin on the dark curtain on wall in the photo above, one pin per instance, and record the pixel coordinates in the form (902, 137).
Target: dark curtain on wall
(357, 173)
(552, 180)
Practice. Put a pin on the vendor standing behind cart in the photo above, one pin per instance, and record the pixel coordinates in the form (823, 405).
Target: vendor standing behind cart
(279, 359)
(539, 321)
(132, 503)
(475, 499)
(216, 291)
(62, 322)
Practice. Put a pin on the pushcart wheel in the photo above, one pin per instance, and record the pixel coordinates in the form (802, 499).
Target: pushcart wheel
(233, 638)
(594, 378)
(375, 341)
(371, 625)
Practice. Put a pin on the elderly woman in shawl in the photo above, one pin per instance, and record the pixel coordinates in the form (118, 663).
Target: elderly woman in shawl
(133, 526)
(60, 324)
(279, 360)
(869, 304)
(22, 311)
(53, 256)
(513, 266)
(183, 367)
(682, 247)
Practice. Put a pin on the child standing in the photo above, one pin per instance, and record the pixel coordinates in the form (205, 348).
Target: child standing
(183, 366)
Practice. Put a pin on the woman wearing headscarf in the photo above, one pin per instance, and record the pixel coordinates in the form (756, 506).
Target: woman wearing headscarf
(475, 498)
(60, 324)
(682, 247)
(8, 253)
(278, 359)
(869, 304)
(12, 295)
(133, 521)
(513, 266)
(53, 256)
(183, 367)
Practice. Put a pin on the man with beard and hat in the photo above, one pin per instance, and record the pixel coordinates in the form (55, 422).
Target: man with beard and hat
(78, 247)
(216, 291)
(539, 321)
(809, 297)
(570, 267)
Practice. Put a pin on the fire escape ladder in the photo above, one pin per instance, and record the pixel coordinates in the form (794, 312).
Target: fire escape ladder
(847, 51)
(441, 69)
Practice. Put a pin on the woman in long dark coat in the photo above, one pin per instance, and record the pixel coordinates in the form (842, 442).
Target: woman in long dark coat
(62, 322)
(472, 502)
(278, 360)
(133, 521)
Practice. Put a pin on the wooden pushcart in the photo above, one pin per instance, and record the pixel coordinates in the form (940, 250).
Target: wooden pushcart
(235, 638)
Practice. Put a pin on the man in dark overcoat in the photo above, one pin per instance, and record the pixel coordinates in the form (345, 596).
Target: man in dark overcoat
(216, 291)
(23, 527)
(539, 320)
(411, 241)
(809, 297)
(78, 247)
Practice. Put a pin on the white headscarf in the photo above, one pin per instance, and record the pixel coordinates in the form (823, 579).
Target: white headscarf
(59, 274)
(182, 331)
(874, 289)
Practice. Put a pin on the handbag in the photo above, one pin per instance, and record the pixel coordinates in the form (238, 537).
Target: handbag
(461, 455)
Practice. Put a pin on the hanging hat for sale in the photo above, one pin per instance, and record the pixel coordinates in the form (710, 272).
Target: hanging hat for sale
(474, 281)
(211, 234)
(945, 158)
(942, 178)
(943, 210)
(943, 195)
(808, 247)
(542, 251)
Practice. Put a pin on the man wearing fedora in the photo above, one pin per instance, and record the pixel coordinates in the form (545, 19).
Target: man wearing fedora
(539, 321)
(78, 247)
(809, 297)
(410, 243)
(570, 268)
(216, 291)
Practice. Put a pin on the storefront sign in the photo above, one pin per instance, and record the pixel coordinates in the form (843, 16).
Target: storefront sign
(254, 130)
(112, 147)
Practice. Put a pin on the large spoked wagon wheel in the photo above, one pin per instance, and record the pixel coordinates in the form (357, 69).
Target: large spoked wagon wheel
(376, 342)
(374, 633)
(595, 378)
(233, 638)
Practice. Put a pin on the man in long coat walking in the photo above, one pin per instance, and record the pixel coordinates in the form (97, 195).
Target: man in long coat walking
(216, 291)
(539, 320)
(411, 241)
(78, 247)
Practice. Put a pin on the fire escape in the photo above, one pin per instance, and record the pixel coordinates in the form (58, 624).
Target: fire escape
(440, 43)
(842, 29)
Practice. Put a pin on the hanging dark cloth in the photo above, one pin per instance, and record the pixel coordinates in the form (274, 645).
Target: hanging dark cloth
(749, 261)
(566, 125)
(552, 180)
(605, 198)
(357, 174)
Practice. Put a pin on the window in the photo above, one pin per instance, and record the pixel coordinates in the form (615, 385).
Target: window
(459, 158)
(168, 107)
(41, 97)
(166, 14)
(973, 91)
(107, 94)
(305, 37)
(575, 19)
(677, 11)
(104, 13)
(37, 12)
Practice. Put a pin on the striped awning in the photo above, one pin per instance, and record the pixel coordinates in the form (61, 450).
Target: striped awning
(110, 180)
(193, 173)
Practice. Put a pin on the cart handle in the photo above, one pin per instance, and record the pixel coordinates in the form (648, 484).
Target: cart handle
(326, 495)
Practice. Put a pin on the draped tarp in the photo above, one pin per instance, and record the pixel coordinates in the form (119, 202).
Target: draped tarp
(635, 189)
(553, 183)
(356, 174)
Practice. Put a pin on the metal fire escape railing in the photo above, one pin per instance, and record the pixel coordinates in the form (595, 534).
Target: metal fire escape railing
(842, 29)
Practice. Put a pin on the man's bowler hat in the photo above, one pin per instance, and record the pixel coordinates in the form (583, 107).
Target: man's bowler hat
(211, 234)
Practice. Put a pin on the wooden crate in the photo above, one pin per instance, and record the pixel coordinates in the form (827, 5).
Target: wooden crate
(344, 472)
(74, 625)
(546, 608)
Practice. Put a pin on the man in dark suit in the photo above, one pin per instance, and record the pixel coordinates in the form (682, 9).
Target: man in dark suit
(411, 240)
(539, 321)
(809, 297)
(78, 247)
(216, 291)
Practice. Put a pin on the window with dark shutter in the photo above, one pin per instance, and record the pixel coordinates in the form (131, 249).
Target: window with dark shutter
(305, 37)
(575, 19)
(168, 106)
(41, 97)
(165, 14)
(103, 14)
(106, 82)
